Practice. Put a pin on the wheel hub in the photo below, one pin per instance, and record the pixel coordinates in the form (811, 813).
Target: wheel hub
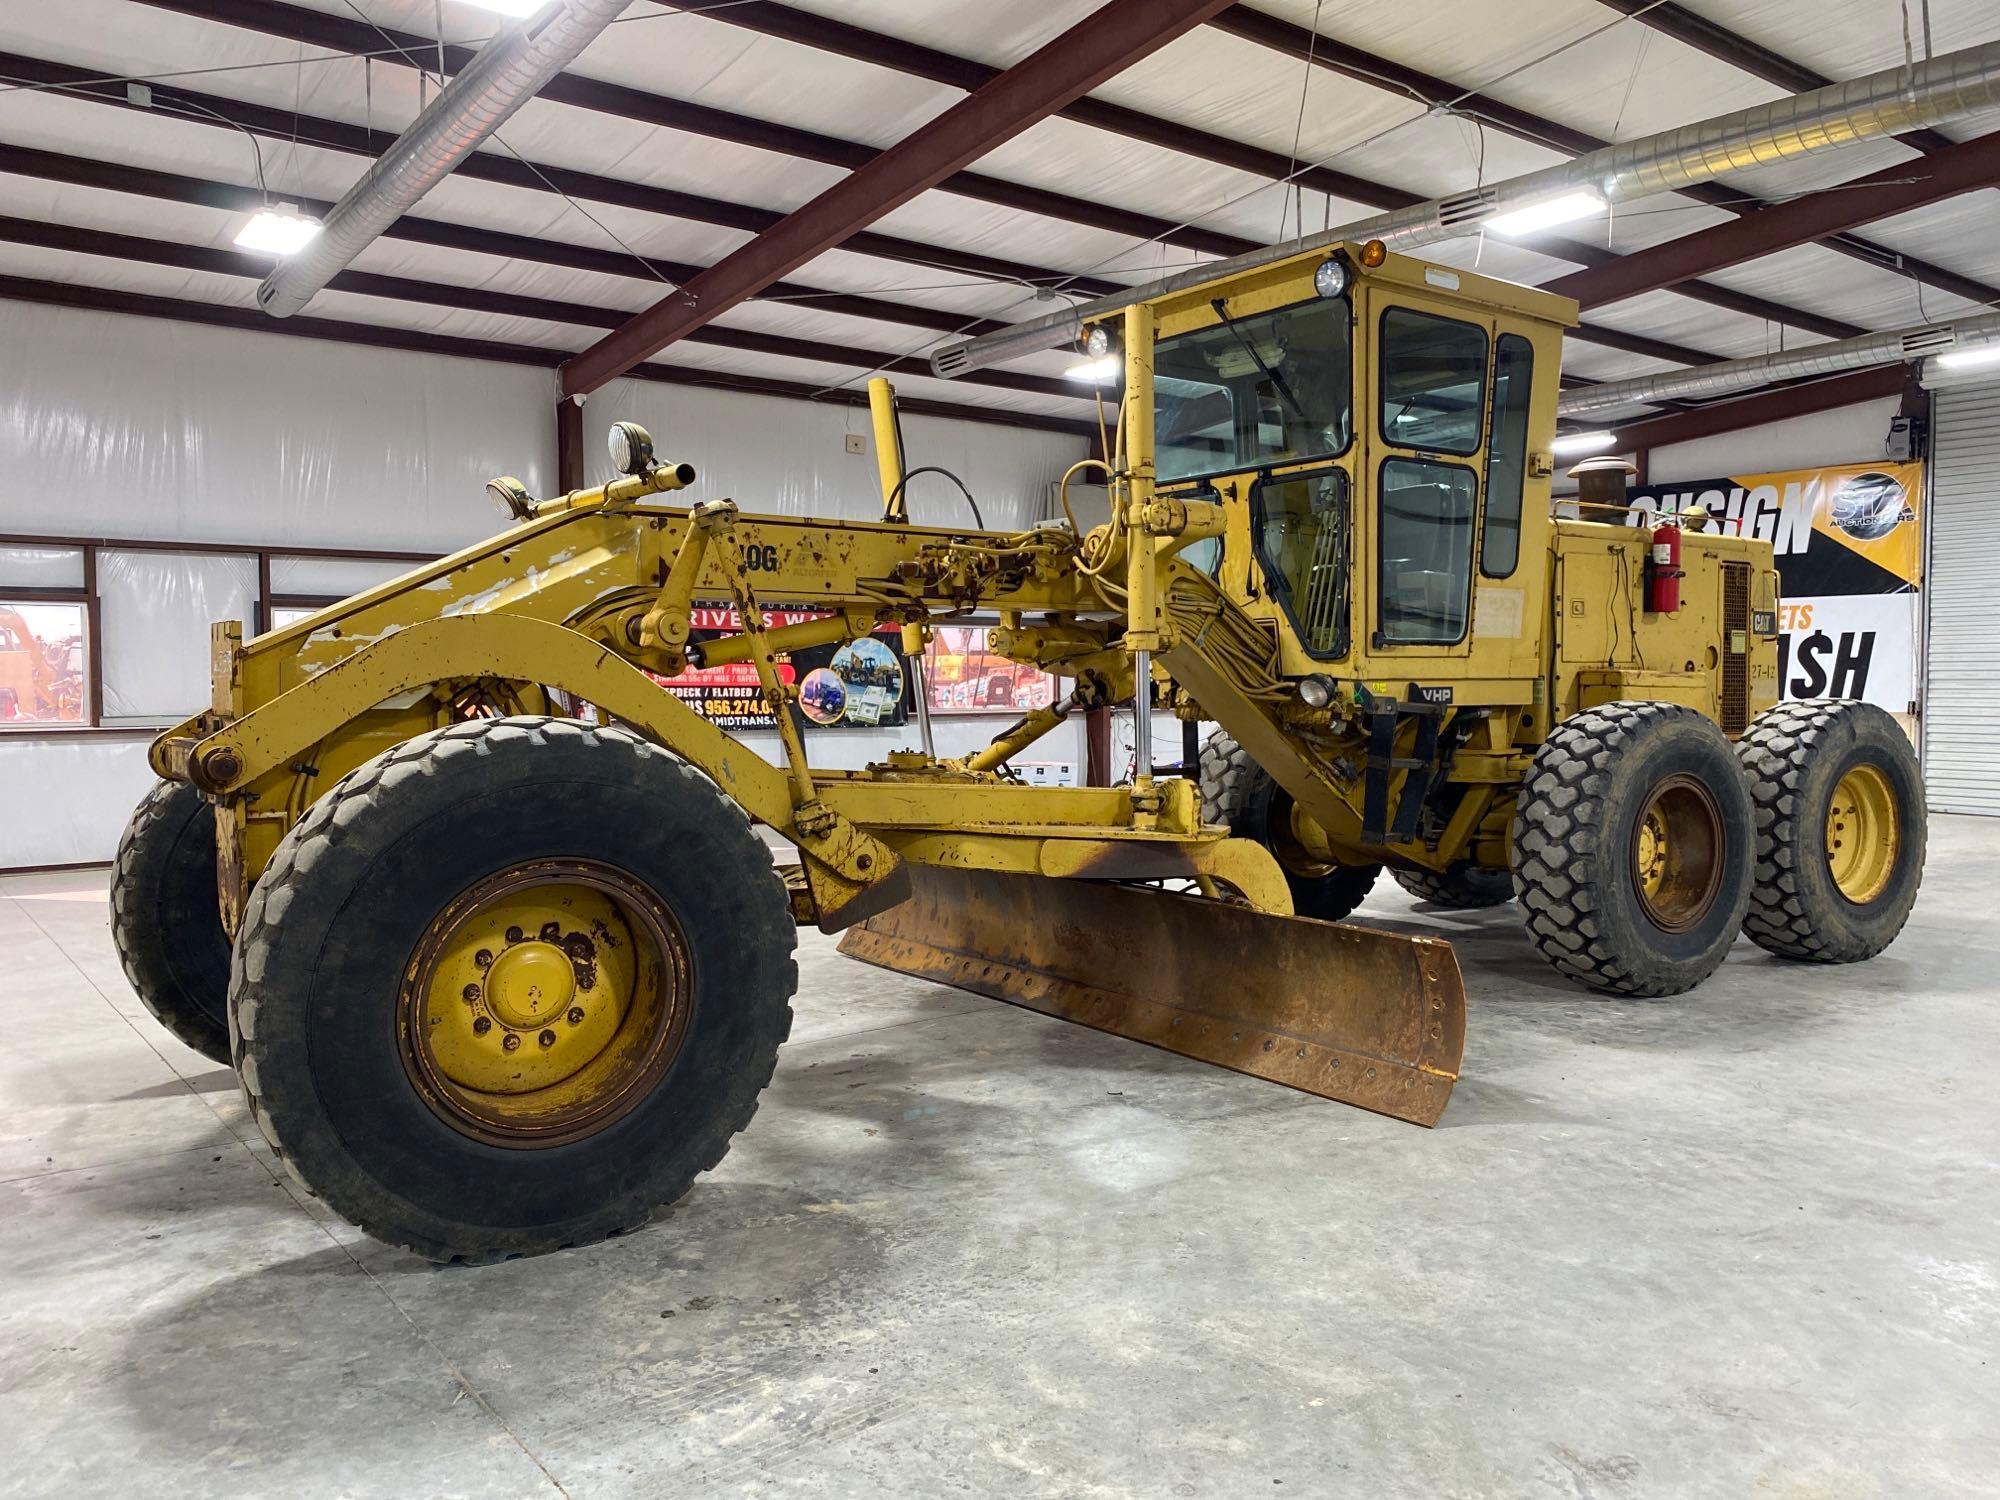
(1863, 834)
(544, 1002)
(529, 985)
(1677, 854)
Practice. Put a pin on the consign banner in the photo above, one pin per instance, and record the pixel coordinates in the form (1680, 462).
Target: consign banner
(1849, 545)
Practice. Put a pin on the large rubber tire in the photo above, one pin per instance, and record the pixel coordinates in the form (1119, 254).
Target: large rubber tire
(1795, 756)
(1463, 887)
(354, 888)
(1576, 833)
(1238, 794)
(166, 920)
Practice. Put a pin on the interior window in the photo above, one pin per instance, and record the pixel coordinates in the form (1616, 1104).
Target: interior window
(1506, 456)
(1433, 381)
(1427, 510)
(44, 664)
(1303, 530)
(1269, 388)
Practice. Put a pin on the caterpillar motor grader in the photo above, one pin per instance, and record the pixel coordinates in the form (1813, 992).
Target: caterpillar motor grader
(475, 907)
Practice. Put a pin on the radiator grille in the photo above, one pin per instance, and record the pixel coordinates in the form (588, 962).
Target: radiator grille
(1735, 647)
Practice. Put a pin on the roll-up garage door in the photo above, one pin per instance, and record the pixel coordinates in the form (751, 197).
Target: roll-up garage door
(1961, 736)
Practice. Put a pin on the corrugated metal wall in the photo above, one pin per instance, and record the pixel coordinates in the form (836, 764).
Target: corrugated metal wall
(1962, 689)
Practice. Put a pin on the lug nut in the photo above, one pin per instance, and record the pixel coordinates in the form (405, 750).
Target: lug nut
(510, 1041)
(481, 1025)
(575, 1016)
(514, 934)
(548, 1039)
(484, 958)
(472, 992)
(551, 931)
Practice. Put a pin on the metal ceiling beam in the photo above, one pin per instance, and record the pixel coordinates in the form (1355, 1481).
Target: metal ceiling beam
(232, 198)
(1755, 411)
(1099, 47)
(771, 19)
(1301, 43)
(375, 335)
(292, 23)
(320, 28)
(142, 250)
(1959, 168)
(229, 197)
(488, 166)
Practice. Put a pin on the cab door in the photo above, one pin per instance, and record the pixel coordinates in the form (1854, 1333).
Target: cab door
(1428, 399)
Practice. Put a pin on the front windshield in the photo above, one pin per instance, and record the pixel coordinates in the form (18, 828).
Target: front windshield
(1275, 387)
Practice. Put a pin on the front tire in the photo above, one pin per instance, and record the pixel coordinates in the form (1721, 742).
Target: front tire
(510, 986)
(166, 919)
(1632, 848)
(1238, 794)
(1841, 830)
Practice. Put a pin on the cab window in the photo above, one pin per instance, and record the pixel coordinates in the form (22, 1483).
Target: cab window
(1251, 391)
(1426, 561)
(1506, 456)
(1433, 381)
(1303, 529)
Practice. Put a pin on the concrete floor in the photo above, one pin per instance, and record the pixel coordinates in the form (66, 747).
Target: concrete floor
(1746, 1242)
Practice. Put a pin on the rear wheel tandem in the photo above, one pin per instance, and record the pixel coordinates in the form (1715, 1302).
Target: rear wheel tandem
(1240, 795)
(1464, 887)
(510, 986)
(1631, 848)
(166, 919)
(1840, 818)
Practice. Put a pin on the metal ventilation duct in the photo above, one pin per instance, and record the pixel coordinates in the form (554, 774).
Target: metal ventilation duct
(507, 72)
(1885, 103)
(1735, 375)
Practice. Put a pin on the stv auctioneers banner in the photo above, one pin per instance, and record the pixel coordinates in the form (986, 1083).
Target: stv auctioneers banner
(1849, 544)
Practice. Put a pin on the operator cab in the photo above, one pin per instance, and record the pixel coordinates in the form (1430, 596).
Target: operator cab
(1372, 417)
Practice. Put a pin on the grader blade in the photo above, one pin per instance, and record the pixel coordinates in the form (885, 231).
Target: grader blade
(1348, 1013)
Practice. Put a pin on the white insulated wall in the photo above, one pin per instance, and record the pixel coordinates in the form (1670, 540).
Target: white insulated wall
(135, 427)
(1845, 435)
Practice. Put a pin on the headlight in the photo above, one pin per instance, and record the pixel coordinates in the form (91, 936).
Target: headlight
(1098, 343)
(1316, 691)
(631, 448)
(512, 497)
(1331, 279)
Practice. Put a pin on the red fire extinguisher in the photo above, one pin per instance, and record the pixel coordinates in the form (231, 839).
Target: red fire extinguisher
(1663, 569)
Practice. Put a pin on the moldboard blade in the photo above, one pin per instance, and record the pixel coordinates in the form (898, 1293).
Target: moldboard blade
(1349, 1013)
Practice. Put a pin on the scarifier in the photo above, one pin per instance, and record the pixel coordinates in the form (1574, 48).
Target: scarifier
(507, 965)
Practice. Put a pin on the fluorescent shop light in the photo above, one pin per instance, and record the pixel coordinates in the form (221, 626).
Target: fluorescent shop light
(1096, 371)
(1584, 442)
(1546, 215)
(1966, 359)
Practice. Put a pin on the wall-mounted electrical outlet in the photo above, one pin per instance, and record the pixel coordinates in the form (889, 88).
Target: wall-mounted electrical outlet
(855, 443)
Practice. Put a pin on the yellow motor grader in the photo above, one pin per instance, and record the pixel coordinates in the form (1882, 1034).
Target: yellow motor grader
(475, 906)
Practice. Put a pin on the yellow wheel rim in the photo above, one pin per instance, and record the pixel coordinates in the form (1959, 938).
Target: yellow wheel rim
(1677, 854)
(544, 1003)
(1863, 834)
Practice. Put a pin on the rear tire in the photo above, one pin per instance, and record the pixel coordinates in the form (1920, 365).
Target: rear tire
(1824, 775)
(1464, 887)
(660, 981)
(1632, 848)
(1240, 795)
(166, 920)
